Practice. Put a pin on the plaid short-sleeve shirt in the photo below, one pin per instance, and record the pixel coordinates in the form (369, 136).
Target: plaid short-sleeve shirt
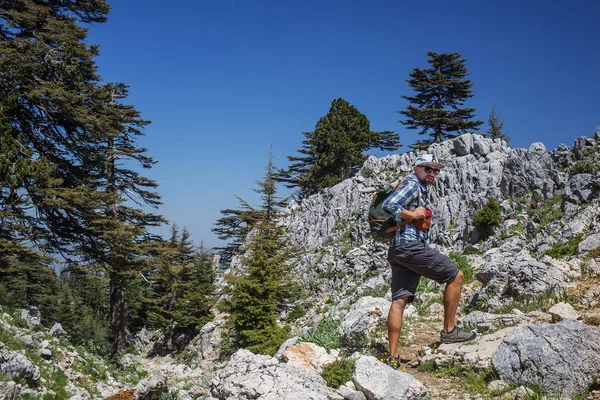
(406, 197)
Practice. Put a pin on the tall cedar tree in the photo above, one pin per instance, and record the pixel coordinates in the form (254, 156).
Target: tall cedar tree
(334, 149)
(496, 125)
(440, 91)
(264, 286)
(68, 132)
(233, 227)
(182, 288)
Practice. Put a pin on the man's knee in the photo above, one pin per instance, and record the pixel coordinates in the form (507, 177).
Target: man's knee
(458, 278)
(399, 303)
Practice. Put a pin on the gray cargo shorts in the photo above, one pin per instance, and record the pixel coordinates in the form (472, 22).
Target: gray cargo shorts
(412, 260)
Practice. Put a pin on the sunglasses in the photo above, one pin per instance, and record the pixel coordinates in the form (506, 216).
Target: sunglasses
(430, 170)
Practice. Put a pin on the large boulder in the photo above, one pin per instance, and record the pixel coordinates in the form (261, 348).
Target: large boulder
(510, 273)
(381, 382)
(561, 358)
(364, 316)
(252, 376)
(9, 391)
(31, 315)
(17, 366)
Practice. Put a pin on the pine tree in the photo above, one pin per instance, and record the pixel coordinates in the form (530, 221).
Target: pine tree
(233, 227)
(182, 288)
(496, 125)
(237, 223)
(69, 130)
(440, 92)
(334, 149)
(265, 285)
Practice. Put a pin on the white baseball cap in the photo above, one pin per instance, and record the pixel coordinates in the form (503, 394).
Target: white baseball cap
(428, 160)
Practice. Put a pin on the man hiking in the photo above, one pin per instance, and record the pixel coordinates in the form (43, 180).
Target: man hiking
(411, 257)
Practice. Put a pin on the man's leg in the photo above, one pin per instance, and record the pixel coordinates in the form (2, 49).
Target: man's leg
(395, 324)
(451, 299)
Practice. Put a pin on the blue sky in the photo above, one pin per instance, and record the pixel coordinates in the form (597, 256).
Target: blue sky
(222, 81)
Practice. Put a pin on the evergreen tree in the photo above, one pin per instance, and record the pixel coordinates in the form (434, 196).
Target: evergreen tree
(237, 223)
(334, 149)
(64, 133)
(85, 307)
(440, 92)
(265, 285)
(233, 227)
(496, 125)
(182, 288)
(29, 280)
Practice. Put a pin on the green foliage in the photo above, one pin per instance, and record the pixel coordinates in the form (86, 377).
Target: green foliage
(496, 126)
(367, 172)
(585, 166)
(338, 372)
(297, 312)
(264, 285)
(595, 253)
(488, 217)
(466, 377)
(326, 334)
(334, 149)
(462, 262)
(180, 291)
(565, 249)
(171, 395)
(440, 91)
(71, 188)
(58, 383)
(548, 211)
(528, 303)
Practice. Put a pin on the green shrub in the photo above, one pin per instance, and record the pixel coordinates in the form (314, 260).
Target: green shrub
(297, 312)
(326, 335)
(367, 172)
(569, 248)
(488, 217)
(586, 166)
(338, 372)
(464, 265)
(548, 211)
(174, 395)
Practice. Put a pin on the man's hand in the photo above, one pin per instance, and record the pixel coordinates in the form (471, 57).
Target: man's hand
(417, 213)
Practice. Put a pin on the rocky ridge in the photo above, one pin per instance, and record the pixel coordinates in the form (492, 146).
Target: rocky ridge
(545, 253)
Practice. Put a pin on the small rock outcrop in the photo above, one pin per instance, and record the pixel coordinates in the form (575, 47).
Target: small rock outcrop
(561, 358)
(381, 382)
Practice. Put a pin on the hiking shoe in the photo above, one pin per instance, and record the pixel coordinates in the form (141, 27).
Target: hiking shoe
(457, 335)
(393, 362)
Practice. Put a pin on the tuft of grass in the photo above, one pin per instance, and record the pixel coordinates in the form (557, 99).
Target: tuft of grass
(527, 304)
(338, 372)
(326, 335)
(462, 262)
(172, 395)
(427, 366)
(595, 253)
(547, 212)
(466, 377)
(567, 249)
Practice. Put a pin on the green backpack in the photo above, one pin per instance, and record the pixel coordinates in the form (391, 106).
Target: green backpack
(382, 224)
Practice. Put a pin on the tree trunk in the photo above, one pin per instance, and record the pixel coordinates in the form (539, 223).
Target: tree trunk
(118, 320)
